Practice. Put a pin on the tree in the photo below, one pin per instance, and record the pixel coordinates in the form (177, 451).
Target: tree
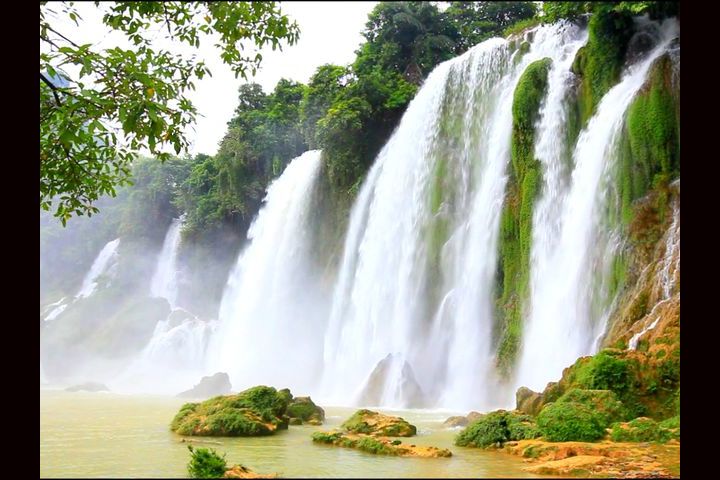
(126, 99)
(478, 21)
(322, 90)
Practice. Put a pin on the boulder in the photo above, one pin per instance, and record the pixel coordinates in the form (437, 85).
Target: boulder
(256, 411)
(528, 401)
(393, 372)
(374, 423)
(460, 421)
(214, 385)
(305, 410)
(88, 387)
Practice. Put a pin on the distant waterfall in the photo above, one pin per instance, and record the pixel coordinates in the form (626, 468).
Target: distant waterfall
(271, 317)
(164, 281)
(567, 243)
(104, 263)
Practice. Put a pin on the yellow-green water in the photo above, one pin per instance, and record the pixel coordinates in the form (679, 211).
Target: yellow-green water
(108, 435)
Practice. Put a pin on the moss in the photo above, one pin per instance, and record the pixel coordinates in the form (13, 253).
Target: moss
(304, 409)
(326, 437)
(497, 427)
(640, 430)
(570, 421)
(516, 217)
(604, 402)
(604, 372)
(388, 426)
(600, 61)
(371, 445)
(253, 412)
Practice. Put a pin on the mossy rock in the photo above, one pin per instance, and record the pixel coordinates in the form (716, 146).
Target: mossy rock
(645, 429)
(496, 428)
(604, 402)
(570, 421)
(374, 423)
(378, 445)
(256, 411)
(305, 410)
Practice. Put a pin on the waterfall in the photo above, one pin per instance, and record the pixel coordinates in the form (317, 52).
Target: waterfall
(164, 280)
(567, 241)
(101, 265)
(271, 318)
(420, 257)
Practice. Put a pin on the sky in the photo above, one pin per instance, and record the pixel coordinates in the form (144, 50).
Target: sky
(330, 32)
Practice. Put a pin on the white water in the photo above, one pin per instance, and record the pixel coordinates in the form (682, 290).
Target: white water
(101, 265)
(401, 290)
(271, 315)
(561, 326)
(164, 281)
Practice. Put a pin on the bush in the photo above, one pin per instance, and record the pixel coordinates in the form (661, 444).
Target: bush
(604, 372)
(570, 421)
(605, 403)
(640, 430)
(497, 427)
(206, 463)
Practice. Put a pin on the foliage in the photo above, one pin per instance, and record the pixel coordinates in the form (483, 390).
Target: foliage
(252, 412)
(206, 463)
(604, 372)
(126, 99)
(554, 11)
(497, 427)
(570, 421)
(478, 21)
(324, 87)
(604, 402)
(516, 217)
(641, 430)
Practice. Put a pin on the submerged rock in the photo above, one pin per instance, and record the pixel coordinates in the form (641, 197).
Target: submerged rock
(303, 410)
(390, 370)
(378, 445)
(256, 411)
(374, 423)
(88, 387)
(217, 384)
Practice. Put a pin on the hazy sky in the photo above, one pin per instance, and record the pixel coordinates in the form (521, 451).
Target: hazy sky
(329, 33)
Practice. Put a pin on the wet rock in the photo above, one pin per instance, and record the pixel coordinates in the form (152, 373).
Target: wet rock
(214, 385)
(392, 372)
(528, 401)
(305, 410)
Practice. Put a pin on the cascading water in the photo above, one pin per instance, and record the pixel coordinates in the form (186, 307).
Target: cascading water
(420, 256)
(164, 281)
(566, 240)
(271, 315)
(101, 265)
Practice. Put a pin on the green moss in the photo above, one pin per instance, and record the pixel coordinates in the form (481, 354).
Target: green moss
(640, 430)
(371, 445)
(600, 61)
(604, 402)
(497, 427)
(304, 409)
(604, 372)
(516, 217)
(253, 412)
(326, 437)
(570, 421)
(358, 423)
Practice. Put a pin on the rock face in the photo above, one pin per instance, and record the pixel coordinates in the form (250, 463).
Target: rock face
(378, 445)
(460, 421)
(303, 410)
(217, 384)
(389, 370)
(256, 411)
(528, 401)
(88, 387)
(374, 423)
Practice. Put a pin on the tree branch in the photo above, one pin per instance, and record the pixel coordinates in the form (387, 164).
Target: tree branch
(52, 87)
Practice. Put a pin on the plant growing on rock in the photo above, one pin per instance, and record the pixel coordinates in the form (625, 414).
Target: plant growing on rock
(206, 463)
(570, 421)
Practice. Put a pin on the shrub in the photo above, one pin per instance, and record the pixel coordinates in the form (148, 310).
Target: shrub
(640, 430)
(605, 403)
(570, 421)
(604, 372)
(497, 427)
(206, 463)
